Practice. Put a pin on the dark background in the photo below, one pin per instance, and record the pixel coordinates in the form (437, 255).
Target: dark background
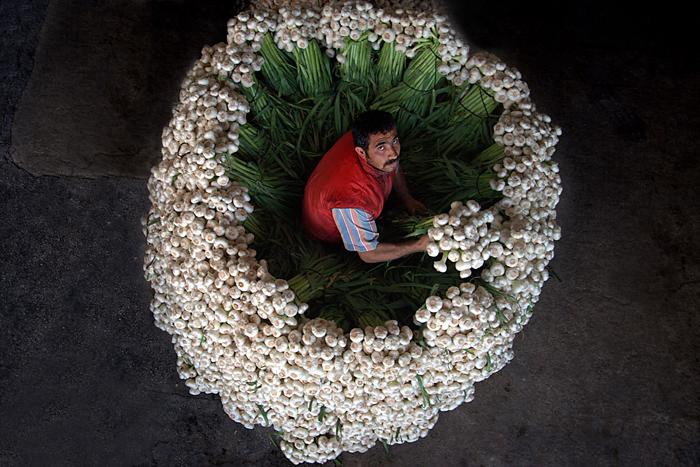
(606, 373)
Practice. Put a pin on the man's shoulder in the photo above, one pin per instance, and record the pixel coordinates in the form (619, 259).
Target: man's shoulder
(344, 147)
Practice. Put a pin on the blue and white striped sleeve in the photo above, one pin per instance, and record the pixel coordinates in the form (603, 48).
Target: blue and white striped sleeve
(357, 228)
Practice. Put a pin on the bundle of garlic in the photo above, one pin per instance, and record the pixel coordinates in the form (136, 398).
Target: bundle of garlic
(462, 236)
(243, 333)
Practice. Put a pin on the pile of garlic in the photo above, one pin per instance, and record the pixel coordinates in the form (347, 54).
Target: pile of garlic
(241, 333)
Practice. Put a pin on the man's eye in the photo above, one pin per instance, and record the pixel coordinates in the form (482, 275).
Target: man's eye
(381, 148)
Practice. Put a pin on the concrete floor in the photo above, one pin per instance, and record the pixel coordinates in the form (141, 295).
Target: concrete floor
(605, 374)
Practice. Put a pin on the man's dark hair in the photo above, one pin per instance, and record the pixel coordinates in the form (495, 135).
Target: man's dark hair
(371, 122)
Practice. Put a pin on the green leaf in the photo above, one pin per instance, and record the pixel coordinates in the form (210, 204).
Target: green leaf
(272, 440)
(338, 428)
(277, 69)
(426, 397)
(263, 414)
(551, 271)
(386, 447)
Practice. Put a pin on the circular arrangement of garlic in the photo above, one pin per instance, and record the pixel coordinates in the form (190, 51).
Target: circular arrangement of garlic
(241, 333)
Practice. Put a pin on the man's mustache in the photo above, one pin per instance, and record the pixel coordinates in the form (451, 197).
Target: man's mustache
(391, 162)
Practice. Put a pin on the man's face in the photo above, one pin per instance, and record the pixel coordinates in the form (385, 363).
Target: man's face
(383, 150)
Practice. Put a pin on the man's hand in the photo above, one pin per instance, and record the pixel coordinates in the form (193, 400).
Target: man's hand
(413, 206)
(422, 243)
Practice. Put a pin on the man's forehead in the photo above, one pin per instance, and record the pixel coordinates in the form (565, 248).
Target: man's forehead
(379, 137)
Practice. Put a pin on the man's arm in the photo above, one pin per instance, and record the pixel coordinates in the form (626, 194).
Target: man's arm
(389, 251)
(359, 233)
(400, 186)
(411, 204)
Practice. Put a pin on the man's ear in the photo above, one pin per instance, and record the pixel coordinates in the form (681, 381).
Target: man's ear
(361, 152)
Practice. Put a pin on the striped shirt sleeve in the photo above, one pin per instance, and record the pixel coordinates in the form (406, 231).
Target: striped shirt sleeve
(357, 228)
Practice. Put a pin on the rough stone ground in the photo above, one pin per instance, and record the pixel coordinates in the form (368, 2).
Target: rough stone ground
(605, 374)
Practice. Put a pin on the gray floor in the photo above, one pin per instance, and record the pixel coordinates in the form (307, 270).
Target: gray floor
(605, 374)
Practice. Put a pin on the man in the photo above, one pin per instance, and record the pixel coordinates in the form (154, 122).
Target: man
(347, 190)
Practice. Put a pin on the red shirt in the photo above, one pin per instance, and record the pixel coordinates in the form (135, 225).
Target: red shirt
(342, 179)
